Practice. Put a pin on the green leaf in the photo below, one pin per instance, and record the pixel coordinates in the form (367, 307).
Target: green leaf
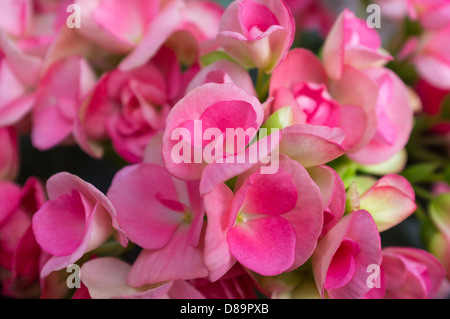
(214, 56)
(418, 172)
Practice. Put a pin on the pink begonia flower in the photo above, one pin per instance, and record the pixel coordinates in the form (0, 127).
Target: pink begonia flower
(343, 255)
(390, 200)
(430, 54)
(394, 116)
(333, 194)
(211, 107)
(257, 33)
(300, 82)
(18, 72)
(311, 15)
(407, 273)
(432, 14)
(77, 219)
(165, 218)
(57, 101)
(19, 252)
(271, 225)
(9, 153)
(129, 107)
(197, 33)
(352, 42)
(106, 278)
(307, 144)
(139, 27)
(223, 71)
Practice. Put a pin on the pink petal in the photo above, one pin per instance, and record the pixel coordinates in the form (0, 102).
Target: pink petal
(217, 254)
(398, 114)
(63, 183)
(144, 218)
(357, 93)
(299, 66)
(333, 194)
(191, 108)
(312, 145)
(106, 278)
(264, 245)
(169, 262)
(157, 33)
(360, 228)
(273, 194)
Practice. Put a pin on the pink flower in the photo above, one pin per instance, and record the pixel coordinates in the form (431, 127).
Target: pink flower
(431, 57)
(394, 115)
(333, 194)
(223, 71)
(77, 219)
(129, 107)
(390, 201)
(352, 42)
(18, 72)
(257, 33)
(408, 273)
(58, 98)
(197, 33)
(9, 153)
(19, 252)
(271, 225)
(165, 218)
(138, 28)
(300, 82)
(432, 15)
(342, 256)
(208, 108)
(106, 278)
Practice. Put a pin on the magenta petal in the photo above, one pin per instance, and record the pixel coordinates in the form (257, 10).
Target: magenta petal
(9, 199)
(343, 265)
(271, 194)
(217, 254)
(360, 227)
(59, 226)
(264, 245)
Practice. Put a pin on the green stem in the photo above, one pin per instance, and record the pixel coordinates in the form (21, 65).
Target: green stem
(423, 193)
(262, 85)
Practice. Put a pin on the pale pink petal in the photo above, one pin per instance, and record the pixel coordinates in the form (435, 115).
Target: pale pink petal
(312, 145)
(169, 263)
(157, 33)
(106, 278)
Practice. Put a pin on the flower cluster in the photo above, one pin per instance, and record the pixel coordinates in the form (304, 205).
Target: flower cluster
(249, 164)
